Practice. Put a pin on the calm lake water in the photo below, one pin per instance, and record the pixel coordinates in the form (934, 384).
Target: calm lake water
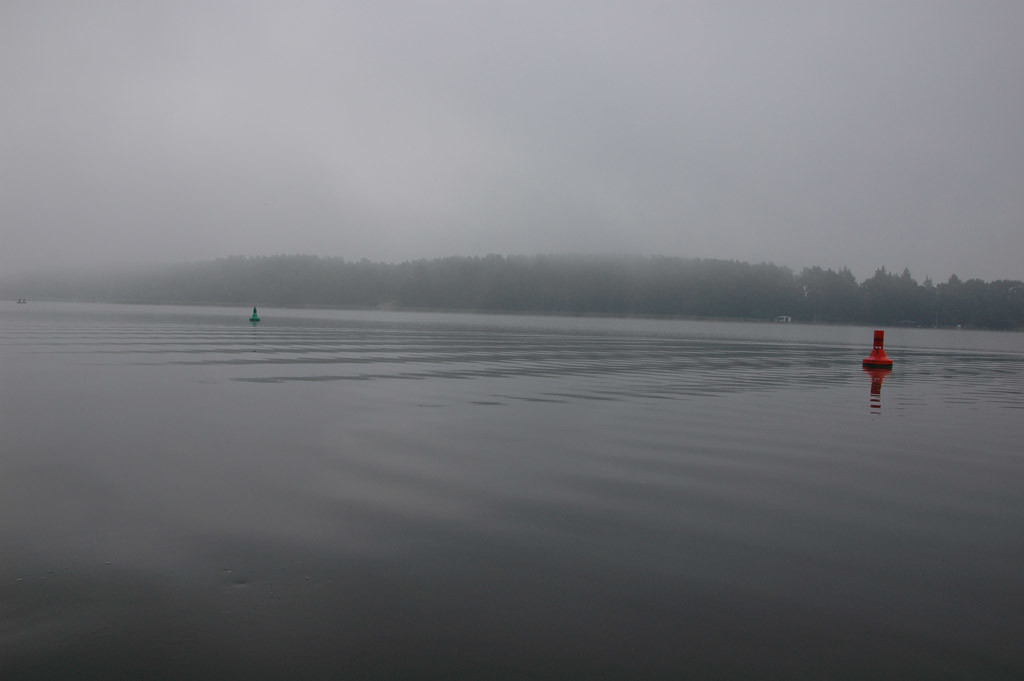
(350, 495)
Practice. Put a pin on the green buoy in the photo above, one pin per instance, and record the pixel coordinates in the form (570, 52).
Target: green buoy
(255, 318)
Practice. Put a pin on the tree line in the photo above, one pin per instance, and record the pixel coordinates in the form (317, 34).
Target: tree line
(559, 284)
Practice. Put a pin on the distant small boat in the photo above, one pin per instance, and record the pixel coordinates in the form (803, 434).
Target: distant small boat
(21, 301)
(255, 318)
(783, 319)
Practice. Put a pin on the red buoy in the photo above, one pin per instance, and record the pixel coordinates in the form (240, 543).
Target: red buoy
(878, 359)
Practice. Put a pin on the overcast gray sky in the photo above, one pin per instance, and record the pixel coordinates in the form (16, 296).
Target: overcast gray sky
(856, 134)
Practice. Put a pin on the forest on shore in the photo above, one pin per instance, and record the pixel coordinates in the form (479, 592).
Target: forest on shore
(555, 284)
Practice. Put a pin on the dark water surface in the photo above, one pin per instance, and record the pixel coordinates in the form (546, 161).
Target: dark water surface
(382, 495)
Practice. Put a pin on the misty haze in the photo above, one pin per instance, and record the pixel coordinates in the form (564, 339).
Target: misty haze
(494, 340)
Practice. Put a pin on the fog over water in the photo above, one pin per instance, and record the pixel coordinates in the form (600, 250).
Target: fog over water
(855, 134)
